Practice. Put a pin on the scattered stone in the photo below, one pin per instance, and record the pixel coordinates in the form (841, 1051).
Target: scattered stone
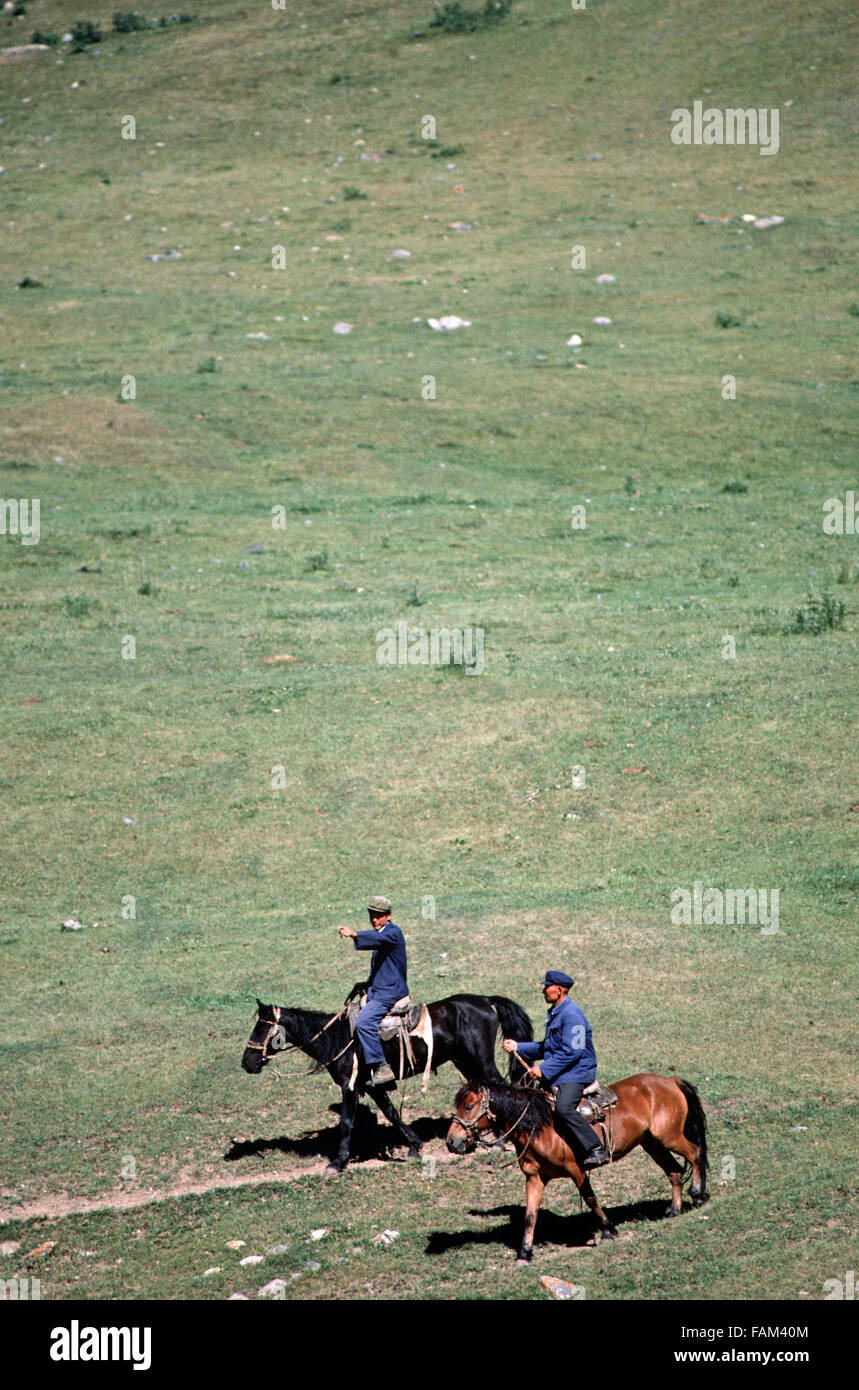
(272, 1289)
(252, 1260)
(400, 255)
(257, 335)
(71, 924)
(797, 1129)
(319, 1233)
(385, 1237)
(20, 50)
(561, 1288)
(762, 223)
(594, 156)
(254, 549)
(126, 820)
(343, 328)
(8, 1247)
(600, 320)
(278, 1249)
(448, 322)
(163, 256)
(242, 1296)
(216, 1269)
(44, 1249)
(313, 1265)
(461, 226)
(235, 1244)
(605, 279)
(575, 341)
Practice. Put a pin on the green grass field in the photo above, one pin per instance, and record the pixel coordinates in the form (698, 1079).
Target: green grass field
(140, 793)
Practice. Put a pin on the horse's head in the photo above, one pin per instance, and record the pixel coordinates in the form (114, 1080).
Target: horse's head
(471, 1117)
(267, 1038)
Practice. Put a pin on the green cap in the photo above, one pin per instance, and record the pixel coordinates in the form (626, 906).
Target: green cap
(382, 905)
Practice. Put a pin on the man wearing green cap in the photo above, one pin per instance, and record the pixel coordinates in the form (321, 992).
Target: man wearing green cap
(568, 1062)
(387, 983)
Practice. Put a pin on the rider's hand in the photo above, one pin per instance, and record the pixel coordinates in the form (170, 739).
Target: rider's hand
(347, 931)
(535, 1071)
(509, 1045)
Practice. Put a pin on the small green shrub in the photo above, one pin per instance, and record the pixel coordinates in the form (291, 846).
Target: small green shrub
(317, 562)
(83, 34)
(728, 320)
(77, 605)
(129, 21)
(42, 36)
(816, 615)
(351, 194)
(452, 18)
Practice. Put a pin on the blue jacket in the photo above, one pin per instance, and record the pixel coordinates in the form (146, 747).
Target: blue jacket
(567, 1053)
(387, 981)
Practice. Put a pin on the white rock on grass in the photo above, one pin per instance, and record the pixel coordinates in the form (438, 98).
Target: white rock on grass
(385, 1237)
(400, 255)
(601, 320)
(252, 1260)
(319, 1233)
(575, 341)
(343, 328)
(272, 1289)
(605, 279)
(448, 322)
(216, 1269)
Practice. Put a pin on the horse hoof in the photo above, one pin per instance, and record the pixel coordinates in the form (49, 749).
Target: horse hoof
(699, 1201)
(333, 1169)
(672, 1211)
(607, 1235)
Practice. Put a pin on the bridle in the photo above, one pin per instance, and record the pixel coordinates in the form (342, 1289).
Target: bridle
(472, 1127)
(273, 1027)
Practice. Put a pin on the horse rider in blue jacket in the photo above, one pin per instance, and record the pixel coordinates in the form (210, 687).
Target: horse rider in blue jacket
(568, 1063)
(387, 983)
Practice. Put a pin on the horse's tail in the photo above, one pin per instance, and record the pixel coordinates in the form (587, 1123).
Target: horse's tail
(695, 1124)
(514, 1023)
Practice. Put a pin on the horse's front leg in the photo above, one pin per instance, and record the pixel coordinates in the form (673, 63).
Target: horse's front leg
(348, 1111)
(393, 1116)
(534, 1185)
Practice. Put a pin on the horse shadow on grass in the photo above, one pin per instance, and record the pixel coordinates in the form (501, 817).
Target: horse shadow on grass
(575, 1231)
(369, 1139)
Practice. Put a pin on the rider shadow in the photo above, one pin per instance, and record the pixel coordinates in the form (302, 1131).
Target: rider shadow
(369, 1139)
(575, 1230)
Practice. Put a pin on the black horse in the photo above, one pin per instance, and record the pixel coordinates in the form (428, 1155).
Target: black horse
(464, 1029)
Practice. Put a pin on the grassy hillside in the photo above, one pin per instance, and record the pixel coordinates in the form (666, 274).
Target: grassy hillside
(274, 136)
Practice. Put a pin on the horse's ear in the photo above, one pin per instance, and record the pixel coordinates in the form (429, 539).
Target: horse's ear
(260, 1005)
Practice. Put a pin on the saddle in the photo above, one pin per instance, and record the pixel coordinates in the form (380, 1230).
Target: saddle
(596, 1102)
(404, 1021)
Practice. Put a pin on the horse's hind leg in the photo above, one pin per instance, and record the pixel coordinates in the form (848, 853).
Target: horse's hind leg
(534, 1185)
(692, 1153)
(670, 1167)
(608, 1230)
(393, 1116)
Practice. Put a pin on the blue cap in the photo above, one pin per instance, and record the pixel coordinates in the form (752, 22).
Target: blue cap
(557, 977)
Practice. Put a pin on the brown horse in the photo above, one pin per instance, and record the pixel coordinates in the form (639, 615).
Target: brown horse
(662, 1114)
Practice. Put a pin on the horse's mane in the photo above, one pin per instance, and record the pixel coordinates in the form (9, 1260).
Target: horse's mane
(509, 1102)
(301, 1027)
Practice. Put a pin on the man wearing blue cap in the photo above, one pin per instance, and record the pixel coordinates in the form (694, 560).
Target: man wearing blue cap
(568, 1063)
(387, 983)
